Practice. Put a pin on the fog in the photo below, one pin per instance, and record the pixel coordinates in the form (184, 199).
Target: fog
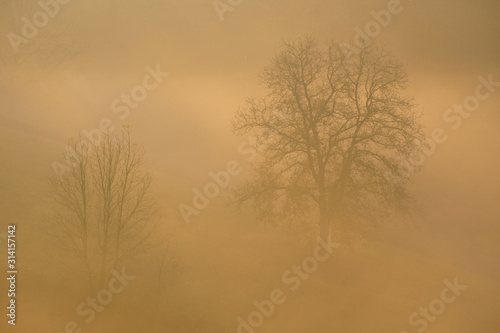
(204, 273)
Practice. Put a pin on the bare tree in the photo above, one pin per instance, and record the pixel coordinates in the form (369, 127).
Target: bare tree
(329, 129)
(103, 206)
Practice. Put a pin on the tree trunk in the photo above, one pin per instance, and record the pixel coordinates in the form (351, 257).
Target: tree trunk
(104, 259)
(324, 221)
(87, 266)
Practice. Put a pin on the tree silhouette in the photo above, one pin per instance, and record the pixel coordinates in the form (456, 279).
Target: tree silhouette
(329, 129)
(103, 209)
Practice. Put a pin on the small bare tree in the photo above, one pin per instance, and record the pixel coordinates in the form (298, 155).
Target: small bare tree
(103, 204)
(329, 129)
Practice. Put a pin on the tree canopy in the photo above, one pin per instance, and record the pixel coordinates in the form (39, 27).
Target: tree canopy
(330, 128)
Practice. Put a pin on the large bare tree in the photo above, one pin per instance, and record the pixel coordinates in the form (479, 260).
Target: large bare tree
(330, 128)
(103, 207)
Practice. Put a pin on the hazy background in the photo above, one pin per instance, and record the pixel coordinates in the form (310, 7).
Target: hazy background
(225, 261)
